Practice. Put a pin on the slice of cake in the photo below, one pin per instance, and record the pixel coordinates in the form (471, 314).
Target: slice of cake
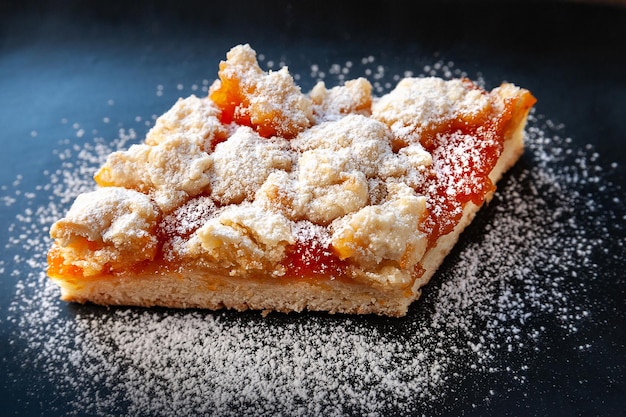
(261, 197)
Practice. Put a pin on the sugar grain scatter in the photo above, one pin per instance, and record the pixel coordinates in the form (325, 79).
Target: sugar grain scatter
(486, 313)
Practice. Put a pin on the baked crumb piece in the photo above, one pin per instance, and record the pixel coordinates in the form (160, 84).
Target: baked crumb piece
(354, 97)
(197, 119)
(243, 163)
(384, 232)
(271, 102)
(246, 237)
(171, 171)
(108, 229)
(176, 228)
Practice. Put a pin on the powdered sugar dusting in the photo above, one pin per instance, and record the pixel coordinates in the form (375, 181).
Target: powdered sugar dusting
(519, 274)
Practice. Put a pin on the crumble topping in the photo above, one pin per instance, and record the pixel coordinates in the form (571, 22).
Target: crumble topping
(355, 142)
(176, 228)
(354, 97)
(170, 172)
(388, 231)
(109, 228)
(197, 119)
(241, 174)
(243, 163)
(269, 102)
(246, 236)
(420, 105)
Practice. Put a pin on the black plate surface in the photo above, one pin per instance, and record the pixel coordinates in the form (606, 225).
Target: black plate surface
(525, 317)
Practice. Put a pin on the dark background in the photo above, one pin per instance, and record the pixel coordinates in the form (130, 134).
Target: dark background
(570, 54)
(66, 59)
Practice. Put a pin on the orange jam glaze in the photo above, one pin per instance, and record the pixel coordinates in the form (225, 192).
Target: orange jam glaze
(310, 259)
(58, 268)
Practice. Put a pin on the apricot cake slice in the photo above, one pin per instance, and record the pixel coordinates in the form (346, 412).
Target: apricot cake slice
(259, 196)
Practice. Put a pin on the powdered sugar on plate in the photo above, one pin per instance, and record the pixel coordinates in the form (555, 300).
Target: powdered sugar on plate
(518, 275)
